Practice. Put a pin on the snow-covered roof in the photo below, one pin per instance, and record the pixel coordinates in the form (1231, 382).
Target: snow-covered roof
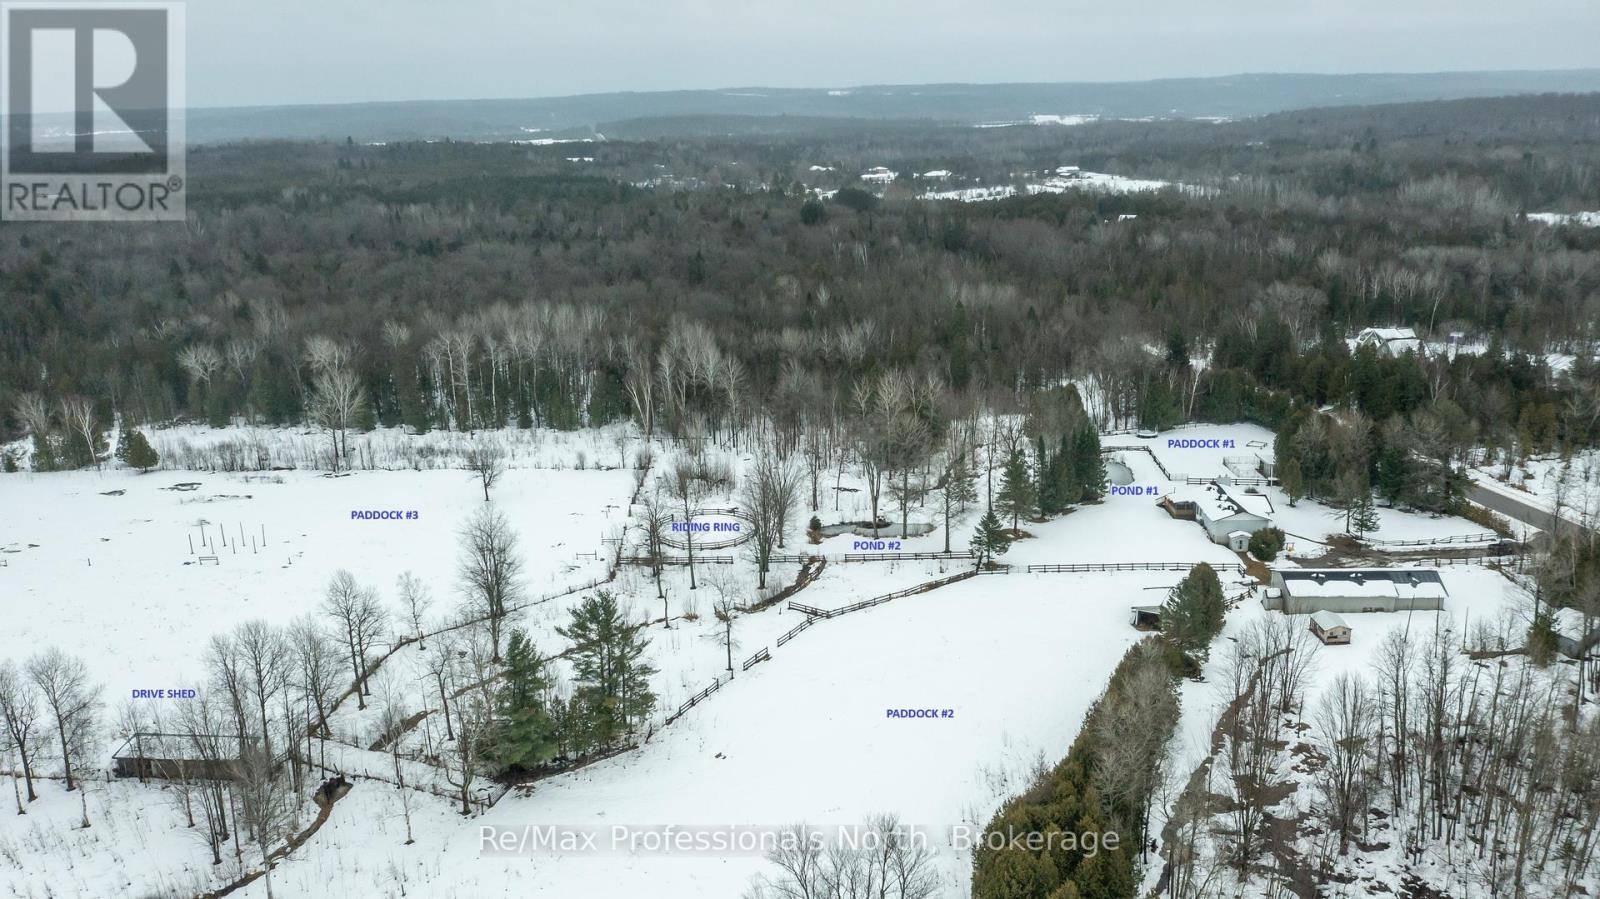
(1397, 340)
(1378, 583)
(1208, 500)
(937, 173)
(1232, 534)
(1328, 620)
(1254, 503)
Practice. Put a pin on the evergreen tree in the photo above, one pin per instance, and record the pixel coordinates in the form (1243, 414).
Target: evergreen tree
(134, 451)
(989, 539)
(1266, 543)
(1543, 641)
(1193, 612)
(1017, 494)
(1177, 348)
(1089, 466)
(46, 452)
(524, 733)
(1051, 493)
(1392, 475)
(612, 679)
(1291, 480)
(1363, 514)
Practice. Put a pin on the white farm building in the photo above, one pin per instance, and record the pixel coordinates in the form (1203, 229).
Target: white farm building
(1390, 341)
(1227, 520)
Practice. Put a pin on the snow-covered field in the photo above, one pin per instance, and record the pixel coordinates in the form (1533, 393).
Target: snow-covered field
(803, 737)
(115, 571)
(1585, 219)
(1017, 659)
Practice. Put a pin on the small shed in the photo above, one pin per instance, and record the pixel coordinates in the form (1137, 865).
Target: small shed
(1330, 628)
(1238, 541)
(1146, 618)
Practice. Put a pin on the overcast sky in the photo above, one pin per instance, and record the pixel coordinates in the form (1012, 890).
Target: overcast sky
(248, 52)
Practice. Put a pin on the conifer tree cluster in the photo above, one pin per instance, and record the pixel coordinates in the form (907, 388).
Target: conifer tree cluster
(1100, 792)
(532, 726)
(134, 451)
(1193, 613)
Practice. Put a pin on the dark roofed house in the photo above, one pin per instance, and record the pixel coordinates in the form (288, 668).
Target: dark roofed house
(1301, 591)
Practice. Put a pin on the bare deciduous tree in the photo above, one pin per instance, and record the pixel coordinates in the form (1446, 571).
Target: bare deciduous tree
(654, 524)
(887, 861)
(77, 414)
(316, 662)
(337, 399)
(266, 661)
(491, 571)
(1345, 721)
(361, 621)
(63, 683)
(415, 601)
(266, 803)
(488, 462)
(686, 486)
(19, 712)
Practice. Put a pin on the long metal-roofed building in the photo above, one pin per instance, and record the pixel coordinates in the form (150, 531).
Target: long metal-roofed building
(1302, 591)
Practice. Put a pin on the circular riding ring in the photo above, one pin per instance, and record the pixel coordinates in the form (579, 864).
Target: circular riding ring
(716, 534)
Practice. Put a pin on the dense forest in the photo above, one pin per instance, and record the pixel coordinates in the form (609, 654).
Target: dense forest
(688, 282)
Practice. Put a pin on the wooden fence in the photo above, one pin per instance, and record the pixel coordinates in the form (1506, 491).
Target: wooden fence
(795, 631)
(814, 612)
(676, 560)
(1485, 561)
(906, 557)
(696, 699)
(1128, 566)
(1463, 539)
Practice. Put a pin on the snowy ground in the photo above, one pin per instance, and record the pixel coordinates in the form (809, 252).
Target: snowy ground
(1545, 480)
(803, 736)
(115, 572)
(1087, 181)
(1586, 219)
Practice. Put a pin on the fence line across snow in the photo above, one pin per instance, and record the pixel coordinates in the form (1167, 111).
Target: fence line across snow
(1129, 566)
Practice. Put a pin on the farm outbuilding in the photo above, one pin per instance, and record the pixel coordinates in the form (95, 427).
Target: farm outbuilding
(1146, 618)
(1302, 591)
(159, 756)
(1330, 628)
